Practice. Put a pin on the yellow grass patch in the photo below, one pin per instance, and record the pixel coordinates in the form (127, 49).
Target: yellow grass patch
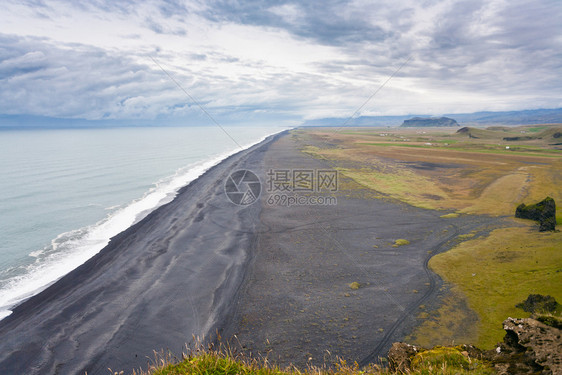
(398, 184)
(449, 216)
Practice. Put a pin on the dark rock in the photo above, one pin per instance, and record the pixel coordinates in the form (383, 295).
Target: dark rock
(430, 121)
(522, 138)
(529, 347)
(538, 303)
(550, 320)
(400, 356)
(467, 131)
(473, 351)
(544, 212)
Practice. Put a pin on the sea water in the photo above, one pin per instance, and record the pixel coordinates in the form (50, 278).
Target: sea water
(64, 193)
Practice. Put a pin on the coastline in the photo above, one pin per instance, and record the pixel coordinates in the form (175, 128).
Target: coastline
(276, 278)
(53, 225)
(155, 285)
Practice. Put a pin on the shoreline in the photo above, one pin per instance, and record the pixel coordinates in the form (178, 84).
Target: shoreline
(132, 297)
(60, 251)
(276, 278)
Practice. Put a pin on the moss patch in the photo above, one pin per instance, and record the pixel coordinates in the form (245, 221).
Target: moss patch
(398, 184)
(449, 216)
(446, 360)
(400, 242)
(463, 237)
(498, 271)
(453, 322)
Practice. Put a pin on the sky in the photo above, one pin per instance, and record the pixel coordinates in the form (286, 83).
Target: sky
(277, 61)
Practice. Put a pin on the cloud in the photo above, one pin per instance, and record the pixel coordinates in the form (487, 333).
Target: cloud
(18, 65)
(508, 47)
(331, 22)
(73, 81)
(250, 59)
(162, 28)
(80, 81)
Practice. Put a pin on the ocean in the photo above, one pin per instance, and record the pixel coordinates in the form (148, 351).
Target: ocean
(65, 192)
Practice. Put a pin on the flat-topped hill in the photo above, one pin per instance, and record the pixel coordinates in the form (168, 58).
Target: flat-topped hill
(429, 122)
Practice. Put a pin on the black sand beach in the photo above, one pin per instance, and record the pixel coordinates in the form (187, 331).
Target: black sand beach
(168, 278)
(276, 277)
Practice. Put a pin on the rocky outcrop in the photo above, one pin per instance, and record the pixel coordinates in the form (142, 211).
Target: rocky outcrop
(429, 121)
(400, 356)
(529, 347)
(544, 212)
(550, 320)
(520, 138)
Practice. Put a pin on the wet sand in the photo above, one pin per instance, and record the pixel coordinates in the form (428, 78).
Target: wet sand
(275, 277)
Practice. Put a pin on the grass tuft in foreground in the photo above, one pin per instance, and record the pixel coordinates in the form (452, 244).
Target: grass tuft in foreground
(439, 360)
(215, 364)
(446, 360)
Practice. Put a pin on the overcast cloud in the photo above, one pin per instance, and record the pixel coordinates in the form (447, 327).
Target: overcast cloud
(253, 61)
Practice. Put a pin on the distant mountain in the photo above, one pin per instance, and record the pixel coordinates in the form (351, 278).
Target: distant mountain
(526, 117)
(359, 121)
(429, 122)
